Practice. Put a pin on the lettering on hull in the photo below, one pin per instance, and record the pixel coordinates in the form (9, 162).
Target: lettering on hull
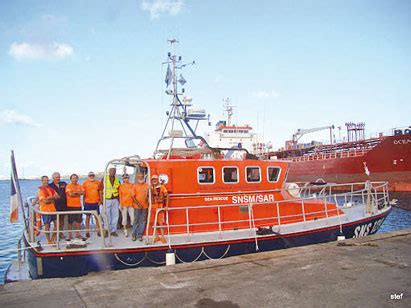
(370, 228)
(216, 199)
(259, 198)
(243, 199)
(402, 141)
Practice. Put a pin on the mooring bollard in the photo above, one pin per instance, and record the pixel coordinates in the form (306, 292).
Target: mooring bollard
(340, 237)
(170, 257)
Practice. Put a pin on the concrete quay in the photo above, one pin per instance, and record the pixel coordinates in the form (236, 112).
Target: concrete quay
(373, 271)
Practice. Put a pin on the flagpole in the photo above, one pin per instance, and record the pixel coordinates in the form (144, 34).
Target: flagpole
(15, 180)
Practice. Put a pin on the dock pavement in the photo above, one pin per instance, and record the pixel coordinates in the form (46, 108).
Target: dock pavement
(373, 271)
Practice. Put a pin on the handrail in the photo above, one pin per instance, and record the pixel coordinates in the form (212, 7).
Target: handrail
(301, 198)
(132, 161)
(250, 220)
(257, 203)
(199, 194)
(291, 218)
(35, 210)
(377, 193)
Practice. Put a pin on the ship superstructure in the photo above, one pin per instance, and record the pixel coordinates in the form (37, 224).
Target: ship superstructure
(229, 135)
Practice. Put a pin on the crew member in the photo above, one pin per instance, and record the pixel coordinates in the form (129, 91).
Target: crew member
(160, 199)
(74, 191)
(91, 199)
(47, 197)
(126, 191)
(61, 203)
(140, 205)
(111, 184)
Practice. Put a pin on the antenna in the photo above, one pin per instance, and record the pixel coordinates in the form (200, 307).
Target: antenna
(229, 109)
(178, 115)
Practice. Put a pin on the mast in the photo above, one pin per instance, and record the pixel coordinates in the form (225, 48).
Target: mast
(229, 109)
(178, 116)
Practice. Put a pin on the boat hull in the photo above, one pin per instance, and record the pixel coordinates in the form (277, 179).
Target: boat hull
(388, 161)
(69, 264)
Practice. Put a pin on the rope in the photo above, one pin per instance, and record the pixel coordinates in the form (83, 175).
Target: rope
(202, 252)
(168, 230)
(198, 257)
(255, 231)
(154, 262)
(224, 254)
(338, 213)
(129, 264)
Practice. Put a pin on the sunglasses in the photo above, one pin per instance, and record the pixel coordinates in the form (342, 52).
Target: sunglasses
(91, 175)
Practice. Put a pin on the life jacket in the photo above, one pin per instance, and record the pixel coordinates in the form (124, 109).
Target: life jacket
(111, 190)
(157, 194)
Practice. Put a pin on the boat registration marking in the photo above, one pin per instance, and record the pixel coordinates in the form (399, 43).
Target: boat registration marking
(365, 229)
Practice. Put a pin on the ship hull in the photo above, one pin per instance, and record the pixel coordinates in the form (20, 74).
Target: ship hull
(69, 264)
(388, 161)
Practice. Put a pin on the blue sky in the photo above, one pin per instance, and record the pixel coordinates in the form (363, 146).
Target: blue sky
(81, 82)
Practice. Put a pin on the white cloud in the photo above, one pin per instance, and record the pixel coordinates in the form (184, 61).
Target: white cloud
(266, 94)
(21, 51)
(14, 117)
(159, 7)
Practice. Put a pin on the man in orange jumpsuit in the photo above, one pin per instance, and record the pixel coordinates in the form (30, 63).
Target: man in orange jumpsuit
(126, 191)
(74, 191)
(46, 197)
(91, 198)
(160, 199)
(140, 197)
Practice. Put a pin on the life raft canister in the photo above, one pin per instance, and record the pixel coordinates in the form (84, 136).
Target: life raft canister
(112, 190)
(293, 189)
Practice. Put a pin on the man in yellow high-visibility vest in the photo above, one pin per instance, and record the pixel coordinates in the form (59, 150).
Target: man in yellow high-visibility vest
(112, 184)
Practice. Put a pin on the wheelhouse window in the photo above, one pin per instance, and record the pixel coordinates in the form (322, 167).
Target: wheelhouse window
(253, 174)
(273, 173)
(230, 174)
(205, 175)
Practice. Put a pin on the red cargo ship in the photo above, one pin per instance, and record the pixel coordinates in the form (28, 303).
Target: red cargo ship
(384, 158)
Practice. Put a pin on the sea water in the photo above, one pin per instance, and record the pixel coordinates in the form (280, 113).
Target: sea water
(11, 233)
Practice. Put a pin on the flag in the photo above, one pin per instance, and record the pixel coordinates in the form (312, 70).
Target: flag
(15, 199)
(169, 76)
(181, 80)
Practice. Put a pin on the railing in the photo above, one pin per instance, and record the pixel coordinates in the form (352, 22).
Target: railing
(34, 212)
(371, 196)
(404, 130)
(331, 155)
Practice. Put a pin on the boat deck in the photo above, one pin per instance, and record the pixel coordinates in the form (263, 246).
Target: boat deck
(95, 242)
(352, 207)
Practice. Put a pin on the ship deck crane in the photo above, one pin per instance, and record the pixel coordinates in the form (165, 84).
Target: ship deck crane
(301, 132)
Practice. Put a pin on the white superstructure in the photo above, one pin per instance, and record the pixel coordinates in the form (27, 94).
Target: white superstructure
(228, 135)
